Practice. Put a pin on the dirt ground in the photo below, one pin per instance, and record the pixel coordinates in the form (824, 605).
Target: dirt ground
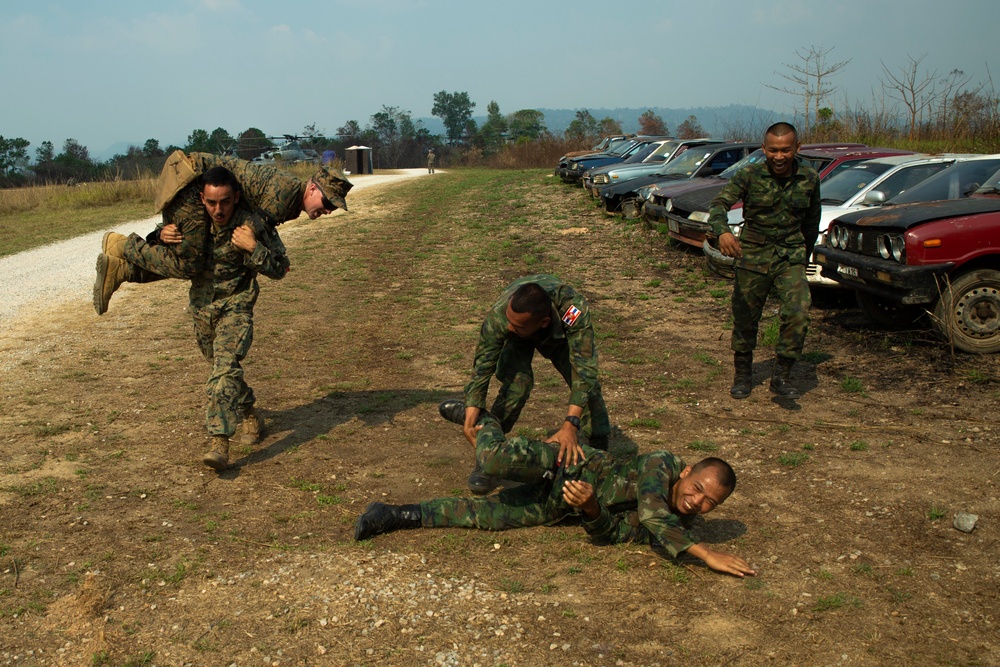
(118, 547)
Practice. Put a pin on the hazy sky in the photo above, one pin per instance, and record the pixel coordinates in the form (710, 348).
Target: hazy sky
(108, 71)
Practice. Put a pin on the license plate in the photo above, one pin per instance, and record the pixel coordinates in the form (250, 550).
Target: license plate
(674, 227)
(848, 271)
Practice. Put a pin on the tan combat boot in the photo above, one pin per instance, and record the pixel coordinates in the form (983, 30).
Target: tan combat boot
(252, 428)
(111, 273)
(217, 457)
(113, 244)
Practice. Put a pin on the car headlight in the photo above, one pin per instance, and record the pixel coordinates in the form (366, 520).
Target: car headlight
(898, 247)
(668, 205)
(699, 216)
(574, 165)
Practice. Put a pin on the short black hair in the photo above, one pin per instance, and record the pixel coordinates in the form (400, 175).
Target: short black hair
(531, 298)
(727, 476)
(780, 129)
(220, 177)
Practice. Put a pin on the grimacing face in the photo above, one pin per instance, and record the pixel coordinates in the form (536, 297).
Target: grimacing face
(779, 153)
(220, 202)
(698, 492)
(312, 201)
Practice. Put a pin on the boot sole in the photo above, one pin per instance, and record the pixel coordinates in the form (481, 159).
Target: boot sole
(102, 272)
(215, 463)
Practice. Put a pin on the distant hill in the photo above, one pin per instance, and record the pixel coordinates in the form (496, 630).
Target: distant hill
(720, 122)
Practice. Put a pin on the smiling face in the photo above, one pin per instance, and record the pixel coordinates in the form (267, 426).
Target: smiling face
(698, 492)
(779, 153)
(220, 202)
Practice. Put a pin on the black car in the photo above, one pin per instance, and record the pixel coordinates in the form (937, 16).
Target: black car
(571, 170)
(699, 162)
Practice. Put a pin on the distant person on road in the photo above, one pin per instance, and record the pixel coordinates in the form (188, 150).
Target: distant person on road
(781, 213)
(178, 248)
(430, 161)
(221, 300)
(647, 499)
(542, 313)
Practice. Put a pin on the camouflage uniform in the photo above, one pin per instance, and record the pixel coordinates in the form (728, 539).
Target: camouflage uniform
(430, 162)
(274, 195)
(632, 493)
(221, 303)
(568, 342)
(781, 223)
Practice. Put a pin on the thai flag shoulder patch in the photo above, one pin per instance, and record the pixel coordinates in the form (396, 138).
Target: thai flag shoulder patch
(570, 316)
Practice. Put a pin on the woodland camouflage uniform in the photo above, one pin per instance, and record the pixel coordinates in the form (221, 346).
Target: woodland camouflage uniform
(273, 195)
(221, 301)
(780, 225)
(568, 342)
(632, 493)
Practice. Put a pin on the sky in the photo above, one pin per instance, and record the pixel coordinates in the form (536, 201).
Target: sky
(104, 72)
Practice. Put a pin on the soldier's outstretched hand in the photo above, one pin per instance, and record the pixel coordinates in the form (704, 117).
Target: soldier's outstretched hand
(722, 562)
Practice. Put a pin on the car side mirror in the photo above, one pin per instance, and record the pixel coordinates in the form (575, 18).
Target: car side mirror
(874, 198)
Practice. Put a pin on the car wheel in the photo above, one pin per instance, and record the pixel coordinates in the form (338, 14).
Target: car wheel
(887, 313)
(631, 208)
(968, 312)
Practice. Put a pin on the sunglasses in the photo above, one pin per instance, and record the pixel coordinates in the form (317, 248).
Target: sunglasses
(327, 204)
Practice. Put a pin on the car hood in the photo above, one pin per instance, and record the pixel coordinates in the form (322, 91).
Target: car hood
(905, 216)
(695, 197)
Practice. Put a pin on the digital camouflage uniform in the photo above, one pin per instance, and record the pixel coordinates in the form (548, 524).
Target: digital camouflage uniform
(430, 162)
(275, 196)
(780, 226)
(568, 342)
(632, 493)
(221, 302)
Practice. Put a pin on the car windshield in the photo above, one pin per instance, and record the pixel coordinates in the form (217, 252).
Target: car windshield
(816, 162)
(753, 158)
(641, 154)
(991, 186)
(623, 147)
(851, 181)
(685, 164)
(956, 182)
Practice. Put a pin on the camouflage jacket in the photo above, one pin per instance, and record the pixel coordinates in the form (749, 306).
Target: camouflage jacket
(275, 194)
(780, 216)
(570, 323)
(233, 276)
(633, 494)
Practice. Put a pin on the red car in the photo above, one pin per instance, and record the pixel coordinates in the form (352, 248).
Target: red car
(942, 257)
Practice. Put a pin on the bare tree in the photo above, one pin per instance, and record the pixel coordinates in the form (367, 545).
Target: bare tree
(913, 89)
(810, 77)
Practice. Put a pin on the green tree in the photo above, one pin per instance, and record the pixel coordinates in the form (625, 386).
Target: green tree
(252, 142)
(74, 162)
(349, 132)
(221, 141)
(526, 125)
(493, 132)
(651, 123)
(396, 140)
(13, 155)
(198, 141)
(455, 110)
(152, 148)
(45, 153)
(583, 128)
(690, 129)
(608, 126)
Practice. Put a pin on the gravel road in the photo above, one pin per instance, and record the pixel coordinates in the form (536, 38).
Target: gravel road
(63, 272)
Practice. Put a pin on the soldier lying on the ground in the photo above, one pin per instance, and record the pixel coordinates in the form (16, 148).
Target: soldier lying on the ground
(177, 248)
(648, 498)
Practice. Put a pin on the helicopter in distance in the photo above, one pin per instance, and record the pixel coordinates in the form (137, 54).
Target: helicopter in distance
(288, 152)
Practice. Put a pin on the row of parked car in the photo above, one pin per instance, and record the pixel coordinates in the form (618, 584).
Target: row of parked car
(910, 233)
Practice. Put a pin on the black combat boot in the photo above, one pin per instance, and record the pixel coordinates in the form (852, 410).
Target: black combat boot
(779, 378)
(480, 483)
(453, 410)
(743, 381)
(381, 518)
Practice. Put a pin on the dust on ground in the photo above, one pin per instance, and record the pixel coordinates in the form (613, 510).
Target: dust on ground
(117, 547)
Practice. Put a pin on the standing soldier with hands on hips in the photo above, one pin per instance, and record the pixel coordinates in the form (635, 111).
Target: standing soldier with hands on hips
(781, 213)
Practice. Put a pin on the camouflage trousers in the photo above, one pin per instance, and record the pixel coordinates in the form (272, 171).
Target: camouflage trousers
(224, 336)
(538, 501)
(181, 260)
(787, 282)
(517, 380)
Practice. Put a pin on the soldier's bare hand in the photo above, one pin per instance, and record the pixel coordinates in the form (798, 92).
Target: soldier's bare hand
(580, 494)
(730, 246)
(569, 448)
(244, 238)
(722, 562)
(170, 234)
(469, 428)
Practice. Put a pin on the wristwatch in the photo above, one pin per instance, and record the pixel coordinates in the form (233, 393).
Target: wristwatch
(575, 421)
